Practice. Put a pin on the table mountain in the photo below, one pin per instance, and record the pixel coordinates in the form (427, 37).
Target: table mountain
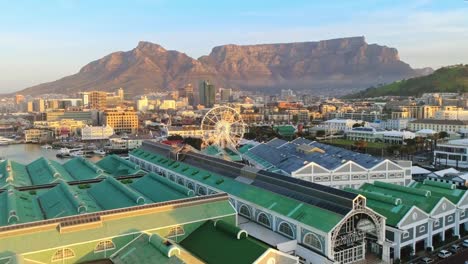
(343, 64)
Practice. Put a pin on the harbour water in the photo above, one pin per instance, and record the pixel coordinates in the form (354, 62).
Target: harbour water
(26, 153)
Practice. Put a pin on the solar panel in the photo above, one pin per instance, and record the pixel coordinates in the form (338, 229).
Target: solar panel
(276, 142)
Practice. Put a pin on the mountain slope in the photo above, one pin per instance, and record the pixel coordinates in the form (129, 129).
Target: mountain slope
(347, 63)
(447, 79)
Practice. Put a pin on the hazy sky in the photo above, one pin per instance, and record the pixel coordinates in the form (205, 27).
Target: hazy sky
(43, 40)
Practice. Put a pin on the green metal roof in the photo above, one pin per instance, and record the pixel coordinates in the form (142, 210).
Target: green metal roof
(23, 204)
(439, 189)
(417, 194)
(160, 189)
(82, 169)
(308, 214)
(424, 203)
(285, 130)
(245, 148)
(394, 212)
(134, 223)
(44, 171)
(117, 166)
(65, 200)
(213, 245)
(109, 194)
(142, 251)
(59, 201)
(13, 173)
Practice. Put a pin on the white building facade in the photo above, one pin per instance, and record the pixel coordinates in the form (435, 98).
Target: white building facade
(96, 132)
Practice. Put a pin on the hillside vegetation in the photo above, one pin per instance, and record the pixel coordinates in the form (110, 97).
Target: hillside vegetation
(446, 79)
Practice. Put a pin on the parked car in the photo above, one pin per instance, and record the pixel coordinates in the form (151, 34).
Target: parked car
(426, 260)
(455, 248)
(465, 243)
(444, 254)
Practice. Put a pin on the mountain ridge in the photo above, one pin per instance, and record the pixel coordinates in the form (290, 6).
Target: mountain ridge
(334, 64)
(446, 79)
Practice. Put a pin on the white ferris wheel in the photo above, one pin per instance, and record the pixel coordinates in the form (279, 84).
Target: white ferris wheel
(223, 127)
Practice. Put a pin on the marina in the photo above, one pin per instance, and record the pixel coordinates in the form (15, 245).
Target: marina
(26, 153)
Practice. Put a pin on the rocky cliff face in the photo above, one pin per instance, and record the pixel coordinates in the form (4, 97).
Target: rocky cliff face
(346, 63)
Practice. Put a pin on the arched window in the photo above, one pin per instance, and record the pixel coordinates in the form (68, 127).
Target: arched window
(245, 211)
(264, 220)
(176, 231)
(180, 181)
(313, 241)
(286, 229)
(171, 177)
(191, 186)
(201, 190)
(62, 254)
(104, 245)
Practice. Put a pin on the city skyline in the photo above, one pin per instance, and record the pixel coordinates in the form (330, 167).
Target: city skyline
(44, 42)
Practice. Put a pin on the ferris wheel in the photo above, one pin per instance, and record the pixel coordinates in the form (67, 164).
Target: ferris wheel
(222, 126)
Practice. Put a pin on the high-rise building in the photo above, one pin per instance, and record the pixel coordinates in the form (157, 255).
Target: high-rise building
(85, 98)
(39, 105)
(207, 93)
(226, 94)
(53, 104)
(142, 104)
(97, 100)
(30, 107)
(19, 98)
(120, 94)
(122, 121)
(189, 94)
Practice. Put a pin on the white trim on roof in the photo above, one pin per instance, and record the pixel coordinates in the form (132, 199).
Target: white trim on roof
(350, 162)
(409, 214)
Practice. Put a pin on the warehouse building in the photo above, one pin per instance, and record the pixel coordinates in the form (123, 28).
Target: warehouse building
(139, 220)
(325, 164)
(43, 171)
(419, 216)
(317, 223)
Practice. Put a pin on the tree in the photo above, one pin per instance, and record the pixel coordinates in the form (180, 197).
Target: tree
(320, 133)
(410, 142)
(175, 137)
(394, 149)
(250, 135)
(443, 135)
(194, 142)
(360, 144)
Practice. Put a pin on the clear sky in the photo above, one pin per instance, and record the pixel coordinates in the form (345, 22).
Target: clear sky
(43, 40)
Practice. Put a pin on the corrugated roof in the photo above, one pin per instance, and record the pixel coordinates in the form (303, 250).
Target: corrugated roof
(82, 169)
(142, 251)
(309, 214)
(13, 173)
(394, 213)
(286, 156)
(160, 189)
(44, 171)
(117, 166)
